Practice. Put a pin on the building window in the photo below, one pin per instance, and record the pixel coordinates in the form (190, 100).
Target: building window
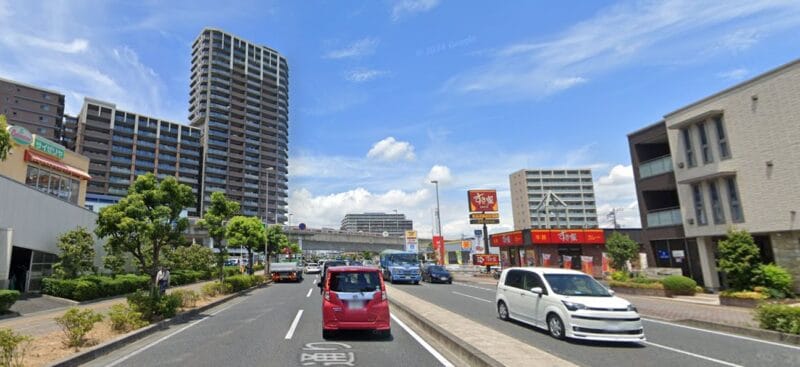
(33, 176)
(724, 151)
(699, 207)
(733, 200)
(704, 146)
(716, 203)
(62, 187)
(45, 107)
(687, 146)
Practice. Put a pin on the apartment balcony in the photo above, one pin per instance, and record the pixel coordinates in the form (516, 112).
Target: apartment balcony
(664, 217)
(655, 167)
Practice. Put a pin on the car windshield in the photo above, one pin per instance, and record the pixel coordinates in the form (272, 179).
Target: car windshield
(576, 285)
(436, 269)
(355, 282)
(404, 259)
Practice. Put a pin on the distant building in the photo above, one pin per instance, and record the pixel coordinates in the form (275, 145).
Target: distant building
(394, 224)
(570, 193)
(69, 132)
(123, 145)
(37, 109)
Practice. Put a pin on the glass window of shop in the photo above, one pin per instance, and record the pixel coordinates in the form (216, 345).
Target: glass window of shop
(60, 186)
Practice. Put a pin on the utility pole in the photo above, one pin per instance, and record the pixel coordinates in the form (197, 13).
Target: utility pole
(613, 216)
(438, 213)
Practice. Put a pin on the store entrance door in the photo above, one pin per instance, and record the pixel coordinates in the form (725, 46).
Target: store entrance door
(574, 252)
(18, 273)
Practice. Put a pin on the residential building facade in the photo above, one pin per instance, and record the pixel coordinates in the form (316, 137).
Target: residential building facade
(566, 195)
(37, 109)
(69, 131)
(239, 99)
(734, 162)
(123, 145)
(662, 234)
(393, 224)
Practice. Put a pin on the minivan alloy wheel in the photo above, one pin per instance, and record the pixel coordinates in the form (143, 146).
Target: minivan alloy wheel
(556, 326)
(502, 311)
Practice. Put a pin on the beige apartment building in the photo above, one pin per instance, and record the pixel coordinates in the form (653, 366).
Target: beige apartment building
(736, 159)
(569, 194)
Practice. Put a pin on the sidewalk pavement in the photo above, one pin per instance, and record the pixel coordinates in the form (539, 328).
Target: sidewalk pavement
(43, 322)
(484, 339)
(701, 307)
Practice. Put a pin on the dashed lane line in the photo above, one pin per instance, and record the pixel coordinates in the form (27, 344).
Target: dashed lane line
(290, 333)
(473, 297)
(439, 357)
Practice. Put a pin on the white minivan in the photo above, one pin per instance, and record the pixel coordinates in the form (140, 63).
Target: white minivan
(567, 303)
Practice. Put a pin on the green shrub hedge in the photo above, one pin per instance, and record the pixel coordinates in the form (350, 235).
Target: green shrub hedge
(781, 318)
(152, 307)
(776, 280)
(94, 286)
(680, 285)
(652, 285)
(7, 299)
(181, 277)
(242, 282)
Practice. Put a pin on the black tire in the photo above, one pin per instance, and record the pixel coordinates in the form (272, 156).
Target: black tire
(555, 326)
(328, 334)
(450, 281)
(502, 311)
(416, 282)
(384, 334)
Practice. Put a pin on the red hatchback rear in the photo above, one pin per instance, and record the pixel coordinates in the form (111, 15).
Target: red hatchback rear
(354, 298)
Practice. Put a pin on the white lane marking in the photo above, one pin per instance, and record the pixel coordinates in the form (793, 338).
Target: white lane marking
(290, 333)
(693, 354)
(176, 332)
(473, 297)
(423, 343)
(309, 292)
(474, 286)
(722, 333)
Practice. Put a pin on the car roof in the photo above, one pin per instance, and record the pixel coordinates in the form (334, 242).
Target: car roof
(541, 270)
(352, 269)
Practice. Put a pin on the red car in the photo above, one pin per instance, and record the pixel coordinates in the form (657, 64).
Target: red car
(354, 298)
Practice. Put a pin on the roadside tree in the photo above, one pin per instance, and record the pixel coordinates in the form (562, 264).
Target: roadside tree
(76, 256)
(246, 232)
(5, 139)
(739, 259)
(114, 261)
(194, 257)
(146, 221)
(217, 214)
(621, 249)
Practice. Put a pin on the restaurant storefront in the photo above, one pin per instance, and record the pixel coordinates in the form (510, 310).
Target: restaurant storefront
(578, 249)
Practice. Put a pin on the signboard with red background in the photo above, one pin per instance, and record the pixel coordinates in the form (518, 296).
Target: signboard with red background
(438, 248)
(482, 200)
(507, 239)
(568, 236)
(486, 259)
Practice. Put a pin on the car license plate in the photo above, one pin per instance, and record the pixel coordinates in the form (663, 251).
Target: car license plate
(355, 304)
(444, 278)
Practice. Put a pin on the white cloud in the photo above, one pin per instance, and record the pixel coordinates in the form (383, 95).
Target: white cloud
(620, 35)
(390, 149)
(403, 8)
(735, 74)
(362, 47)
(441, 174)
(364, 75)
(616, 190)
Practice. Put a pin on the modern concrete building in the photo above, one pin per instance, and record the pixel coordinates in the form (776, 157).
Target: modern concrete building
(69, 132)
(664, 240)
(737, 165)
(394, 224)
(37, 109)
(575, 209)
(123, 145)
(239, 99)
(42, 190)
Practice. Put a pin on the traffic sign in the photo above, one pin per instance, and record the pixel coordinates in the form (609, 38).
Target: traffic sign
(485, 221)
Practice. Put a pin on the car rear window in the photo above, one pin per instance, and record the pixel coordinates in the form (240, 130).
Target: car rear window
(355, 282)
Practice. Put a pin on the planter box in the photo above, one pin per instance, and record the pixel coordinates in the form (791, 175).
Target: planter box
(643, 291)
(739, 302)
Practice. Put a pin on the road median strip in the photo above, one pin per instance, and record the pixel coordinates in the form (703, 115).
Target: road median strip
(473, 343)
(114, 344)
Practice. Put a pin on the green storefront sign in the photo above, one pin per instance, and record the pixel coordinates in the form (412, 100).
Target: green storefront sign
(48, 147)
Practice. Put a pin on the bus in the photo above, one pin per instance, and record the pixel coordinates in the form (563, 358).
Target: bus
(400, 266)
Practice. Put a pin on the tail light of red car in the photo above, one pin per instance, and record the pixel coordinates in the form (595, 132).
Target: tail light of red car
(331, 297)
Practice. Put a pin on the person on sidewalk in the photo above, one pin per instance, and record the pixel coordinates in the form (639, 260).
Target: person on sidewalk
(162, 279)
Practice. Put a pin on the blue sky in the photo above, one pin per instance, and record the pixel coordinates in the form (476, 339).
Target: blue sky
(387, 95)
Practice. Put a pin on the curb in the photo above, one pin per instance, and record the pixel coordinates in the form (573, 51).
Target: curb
(768, 335)
(109, 346)
(454, 344)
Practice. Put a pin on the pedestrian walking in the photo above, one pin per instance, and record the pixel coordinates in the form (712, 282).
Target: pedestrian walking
(161, 280)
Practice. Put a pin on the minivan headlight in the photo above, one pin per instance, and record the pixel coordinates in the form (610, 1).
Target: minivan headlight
(632, 308)
(573, 306)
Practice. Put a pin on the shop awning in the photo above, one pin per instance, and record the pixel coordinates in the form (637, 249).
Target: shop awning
(56, 165)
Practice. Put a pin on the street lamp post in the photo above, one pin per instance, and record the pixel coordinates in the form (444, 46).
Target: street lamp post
(266, 214)
(438, 214)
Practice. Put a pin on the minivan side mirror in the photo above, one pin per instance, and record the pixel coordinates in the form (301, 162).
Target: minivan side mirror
(319, 284)
(611, 292)
(537, 290)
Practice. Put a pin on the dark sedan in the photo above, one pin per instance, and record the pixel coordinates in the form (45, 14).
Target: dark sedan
(436, 274)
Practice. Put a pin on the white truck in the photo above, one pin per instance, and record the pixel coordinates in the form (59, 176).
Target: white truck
(291, 271)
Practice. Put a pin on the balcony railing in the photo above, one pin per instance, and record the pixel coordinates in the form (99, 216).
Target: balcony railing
(664, 217)
(655, 167)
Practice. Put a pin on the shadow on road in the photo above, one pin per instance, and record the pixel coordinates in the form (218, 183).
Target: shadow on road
(360, 335)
